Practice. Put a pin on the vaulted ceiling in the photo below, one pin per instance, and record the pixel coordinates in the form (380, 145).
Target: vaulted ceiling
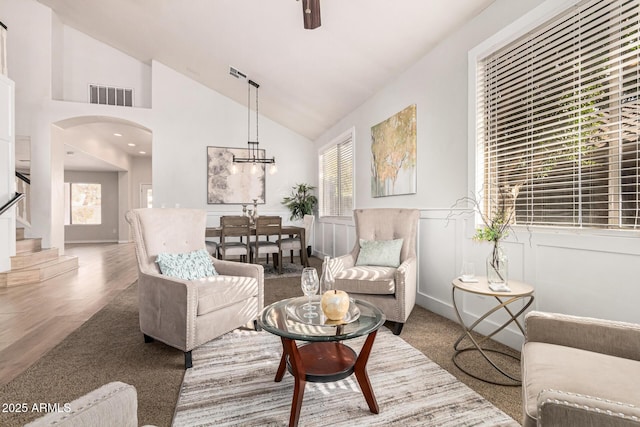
(308, 79)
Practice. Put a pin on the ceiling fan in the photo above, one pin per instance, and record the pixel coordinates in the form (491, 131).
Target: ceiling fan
(311, 13)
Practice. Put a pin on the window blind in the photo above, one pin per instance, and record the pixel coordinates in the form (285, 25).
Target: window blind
(336, 178)
(559, 120)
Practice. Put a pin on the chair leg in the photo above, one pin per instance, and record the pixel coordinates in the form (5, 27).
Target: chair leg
(147, 338)
(291, 252)
(278, 257)
(397, 328)
(188, 362)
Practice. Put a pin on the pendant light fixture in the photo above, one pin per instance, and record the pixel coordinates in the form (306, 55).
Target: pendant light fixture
(253, 152)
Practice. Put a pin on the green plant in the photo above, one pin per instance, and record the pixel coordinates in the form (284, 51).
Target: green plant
(495, 224)
(301, 202)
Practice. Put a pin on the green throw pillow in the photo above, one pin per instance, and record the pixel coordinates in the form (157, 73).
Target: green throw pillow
(187, 266)
(384, 253)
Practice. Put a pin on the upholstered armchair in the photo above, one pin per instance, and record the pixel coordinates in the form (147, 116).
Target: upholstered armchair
(579, 371)
(390, 286)
(113, 404)
(186, 313)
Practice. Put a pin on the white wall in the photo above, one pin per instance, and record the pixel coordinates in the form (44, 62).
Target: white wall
(140, 174)
(186, 118)
(586, 273)
(88, 61)
(7, 180)
(189, 117)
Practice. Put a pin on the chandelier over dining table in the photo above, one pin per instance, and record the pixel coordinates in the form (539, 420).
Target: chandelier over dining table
(253, 153)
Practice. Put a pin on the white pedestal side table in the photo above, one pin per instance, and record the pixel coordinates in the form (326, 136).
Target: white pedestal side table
(519, 292)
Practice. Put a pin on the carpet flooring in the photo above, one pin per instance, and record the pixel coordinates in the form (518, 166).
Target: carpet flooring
(109, 347)
(232, 383)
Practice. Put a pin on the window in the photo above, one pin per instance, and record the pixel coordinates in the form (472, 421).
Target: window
(84, 203)
(559, 119)
(336, 177)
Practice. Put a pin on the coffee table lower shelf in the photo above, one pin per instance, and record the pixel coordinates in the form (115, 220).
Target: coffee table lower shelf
(324, 362)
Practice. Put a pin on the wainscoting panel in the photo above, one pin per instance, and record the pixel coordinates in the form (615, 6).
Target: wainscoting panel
(600, 283)
(580, 272)
(438, 265)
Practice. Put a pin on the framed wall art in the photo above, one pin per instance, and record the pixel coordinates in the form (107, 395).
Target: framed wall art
(393, 155)
(226, 187)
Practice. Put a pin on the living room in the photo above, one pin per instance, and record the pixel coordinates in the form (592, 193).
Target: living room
(578, 271)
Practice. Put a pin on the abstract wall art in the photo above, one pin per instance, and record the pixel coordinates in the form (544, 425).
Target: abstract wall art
(393, 155)
(226, 187)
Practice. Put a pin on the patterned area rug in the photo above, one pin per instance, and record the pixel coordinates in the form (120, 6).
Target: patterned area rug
(288, 270)
(231, 383)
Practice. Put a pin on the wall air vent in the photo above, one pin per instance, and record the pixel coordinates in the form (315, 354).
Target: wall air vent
(109, 95)
(237, 73)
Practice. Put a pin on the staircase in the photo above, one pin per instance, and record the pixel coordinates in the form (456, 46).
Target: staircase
(32, 264)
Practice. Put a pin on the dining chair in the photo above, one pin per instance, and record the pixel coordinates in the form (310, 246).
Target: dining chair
(212, 247)
(268, 226)
(232, 228)
(294, 244)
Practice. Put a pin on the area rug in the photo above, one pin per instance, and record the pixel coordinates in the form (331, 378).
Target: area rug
(232, 383)
(288, 270)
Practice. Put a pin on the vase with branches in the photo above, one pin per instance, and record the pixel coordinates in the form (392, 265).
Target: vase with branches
(496, 225)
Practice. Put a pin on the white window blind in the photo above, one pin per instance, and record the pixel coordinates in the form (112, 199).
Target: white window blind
(559, 119)
(336, 178)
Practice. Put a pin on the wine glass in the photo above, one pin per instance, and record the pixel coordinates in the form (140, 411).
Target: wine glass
(309, 283)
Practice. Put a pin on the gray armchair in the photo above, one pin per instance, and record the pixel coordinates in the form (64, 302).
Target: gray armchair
(392, 289)
(580, 372)
(113, 404)
(187, 313)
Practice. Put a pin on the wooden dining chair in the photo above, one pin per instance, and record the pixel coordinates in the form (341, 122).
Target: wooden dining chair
(232, 228)
(268, 227)
(294, 243)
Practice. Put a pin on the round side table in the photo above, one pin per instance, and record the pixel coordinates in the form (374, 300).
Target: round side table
(518, 292)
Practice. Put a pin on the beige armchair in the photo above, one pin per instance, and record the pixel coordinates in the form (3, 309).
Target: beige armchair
(392, 289)
(113, 404)
(187, 313)
(579, 371)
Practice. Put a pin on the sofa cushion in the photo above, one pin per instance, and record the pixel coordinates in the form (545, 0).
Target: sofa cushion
(366, 280)
(550, 366)
(383, 253)
(186, 266)
(217, 292)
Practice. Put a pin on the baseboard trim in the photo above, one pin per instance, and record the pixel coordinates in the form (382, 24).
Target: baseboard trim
(510, 336)
(91, 241)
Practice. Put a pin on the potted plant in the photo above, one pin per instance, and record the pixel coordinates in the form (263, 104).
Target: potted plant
(301, 202)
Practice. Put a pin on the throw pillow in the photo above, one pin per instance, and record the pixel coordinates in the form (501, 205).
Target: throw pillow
(187, 266)
(383, 253)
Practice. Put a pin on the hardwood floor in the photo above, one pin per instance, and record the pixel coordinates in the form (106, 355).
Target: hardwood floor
(34, 318)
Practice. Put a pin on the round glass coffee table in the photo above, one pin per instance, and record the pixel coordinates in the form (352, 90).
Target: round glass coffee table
(323, 358)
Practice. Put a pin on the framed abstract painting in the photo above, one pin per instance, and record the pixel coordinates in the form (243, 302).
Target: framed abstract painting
(393, 155)
(224, 186)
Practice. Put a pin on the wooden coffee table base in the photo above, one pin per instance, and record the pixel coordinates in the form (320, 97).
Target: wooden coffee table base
(324, 362)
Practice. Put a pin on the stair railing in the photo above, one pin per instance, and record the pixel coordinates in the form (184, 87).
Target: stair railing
(23, 210)
(12, 201)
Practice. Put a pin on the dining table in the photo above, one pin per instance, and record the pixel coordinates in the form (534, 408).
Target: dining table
(290, 230)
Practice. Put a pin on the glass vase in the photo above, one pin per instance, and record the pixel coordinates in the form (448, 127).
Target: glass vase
(327, 282)
(497, 266)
